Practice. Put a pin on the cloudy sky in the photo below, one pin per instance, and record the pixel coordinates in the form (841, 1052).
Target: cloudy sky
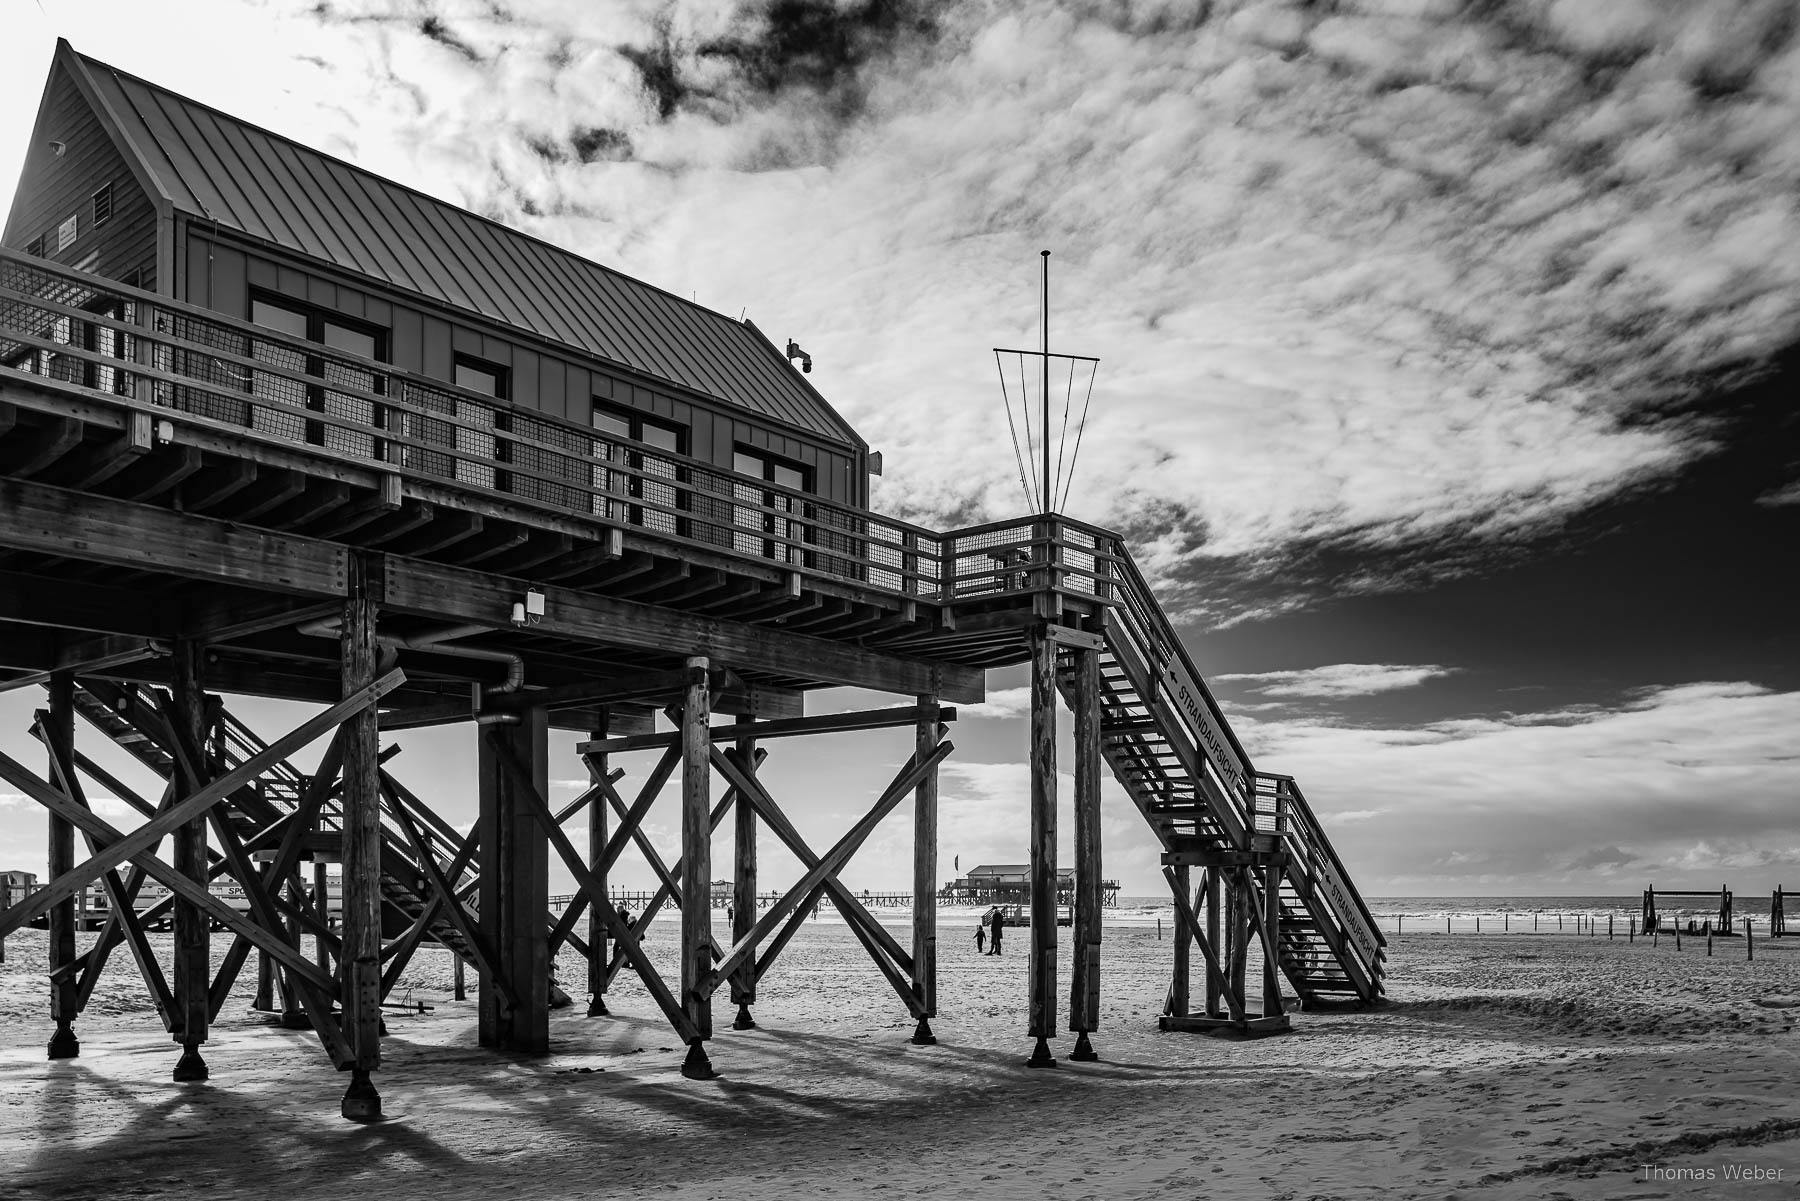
(1448, 353)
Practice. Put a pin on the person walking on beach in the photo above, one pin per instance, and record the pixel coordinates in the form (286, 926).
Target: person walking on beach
(980, 938)
(999, 924)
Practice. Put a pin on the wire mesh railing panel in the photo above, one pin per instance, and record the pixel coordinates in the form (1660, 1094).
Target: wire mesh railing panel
(292, 390)
(433, 427)
(547, 449)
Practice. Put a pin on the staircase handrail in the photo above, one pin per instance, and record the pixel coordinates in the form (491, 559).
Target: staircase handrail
(1162, 652)
(1304, 830)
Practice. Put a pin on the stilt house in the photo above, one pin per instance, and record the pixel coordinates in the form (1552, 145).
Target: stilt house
(272, 425)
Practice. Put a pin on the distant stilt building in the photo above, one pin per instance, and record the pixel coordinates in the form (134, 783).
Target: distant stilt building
(1010, 884)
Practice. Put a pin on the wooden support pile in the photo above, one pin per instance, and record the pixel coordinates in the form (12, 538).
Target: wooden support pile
(184, 725)
(734, 752)
(1240, 896)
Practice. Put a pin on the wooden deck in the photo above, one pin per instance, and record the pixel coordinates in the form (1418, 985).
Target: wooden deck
(171, 435)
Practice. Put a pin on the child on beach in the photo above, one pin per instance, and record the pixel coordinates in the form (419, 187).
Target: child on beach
(980, 939)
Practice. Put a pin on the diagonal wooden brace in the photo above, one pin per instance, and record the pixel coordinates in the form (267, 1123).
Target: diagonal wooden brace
(831, 862)
(631, 819)
(401, 949)
(485, 960)
(163, 873)
(635, 831)
(860, 919)
(1184, 915)
(772, 952)
(318, 1000)
(292, 828)
(664, 892)
(586, 880)
(121, 895)
(133, 846)
(563, 927)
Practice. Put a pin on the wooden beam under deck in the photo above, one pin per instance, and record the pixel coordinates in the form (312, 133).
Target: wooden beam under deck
(456, 594)
(52, 521)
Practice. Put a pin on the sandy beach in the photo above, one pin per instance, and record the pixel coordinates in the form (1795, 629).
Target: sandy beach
(1504, 1066)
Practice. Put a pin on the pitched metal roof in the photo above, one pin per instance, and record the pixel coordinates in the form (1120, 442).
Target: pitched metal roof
(214, 166)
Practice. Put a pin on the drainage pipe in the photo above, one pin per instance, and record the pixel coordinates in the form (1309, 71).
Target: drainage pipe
(435, 642)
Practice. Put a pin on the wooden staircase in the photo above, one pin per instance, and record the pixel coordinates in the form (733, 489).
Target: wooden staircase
(1171, 749)
(118, 711)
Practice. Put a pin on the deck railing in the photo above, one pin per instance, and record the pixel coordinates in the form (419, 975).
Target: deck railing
(1246, 801)
(143, 351)
(1315, 868)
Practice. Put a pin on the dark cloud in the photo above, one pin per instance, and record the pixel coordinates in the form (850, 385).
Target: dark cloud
(777, 47)
(817, 44)
(660, 72)
(433, 27)
(601, 145)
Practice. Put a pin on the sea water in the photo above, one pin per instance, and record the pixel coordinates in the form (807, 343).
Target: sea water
(1507, 914)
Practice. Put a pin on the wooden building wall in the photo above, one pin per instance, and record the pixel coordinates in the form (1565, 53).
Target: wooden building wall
(54, 187)
(222, 273)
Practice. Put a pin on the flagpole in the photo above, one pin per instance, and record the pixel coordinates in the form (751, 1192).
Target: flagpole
(1044, 429)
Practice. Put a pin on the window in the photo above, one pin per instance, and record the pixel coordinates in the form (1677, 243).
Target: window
(657, 513)
(35, 247)
(103, 204)
(775, 534)
(284, 398)
(476, 376)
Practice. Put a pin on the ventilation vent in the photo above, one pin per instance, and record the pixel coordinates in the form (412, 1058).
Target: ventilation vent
(102, 204)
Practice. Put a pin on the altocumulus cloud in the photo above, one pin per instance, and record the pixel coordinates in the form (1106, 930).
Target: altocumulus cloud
(1380, 275)
(1336, 680)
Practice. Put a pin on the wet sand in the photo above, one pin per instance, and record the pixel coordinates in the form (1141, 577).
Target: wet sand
(1504, 1066)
